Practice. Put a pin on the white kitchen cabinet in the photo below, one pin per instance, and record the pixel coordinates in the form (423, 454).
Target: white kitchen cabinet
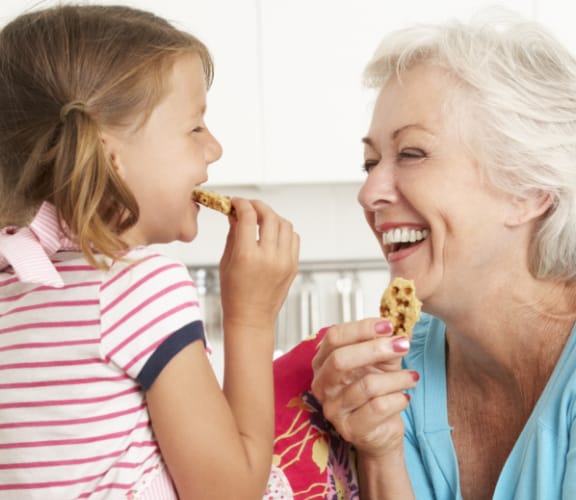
(287, 102)
(557, 16)
(313, 54)
(230, 29)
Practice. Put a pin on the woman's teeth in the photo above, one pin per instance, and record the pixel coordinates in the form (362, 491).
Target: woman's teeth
(404, 235)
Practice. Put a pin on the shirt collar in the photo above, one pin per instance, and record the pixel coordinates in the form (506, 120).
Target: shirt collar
(28, 250)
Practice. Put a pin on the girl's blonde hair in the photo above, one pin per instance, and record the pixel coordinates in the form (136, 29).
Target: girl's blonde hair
(514, 98)
(65, 73)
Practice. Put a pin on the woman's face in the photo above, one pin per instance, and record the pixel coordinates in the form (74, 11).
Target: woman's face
(437, 221)
(164, 160)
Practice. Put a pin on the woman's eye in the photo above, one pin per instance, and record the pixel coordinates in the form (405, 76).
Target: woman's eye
(198, 129)
(368, 165)
(411, 153)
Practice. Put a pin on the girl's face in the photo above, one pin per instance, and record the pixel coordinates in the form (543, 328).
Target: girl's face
(437, 221)
(165, 159)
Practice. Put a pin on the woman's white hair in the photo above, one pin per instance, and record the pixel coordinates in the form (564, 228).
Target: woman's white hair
(519, 95)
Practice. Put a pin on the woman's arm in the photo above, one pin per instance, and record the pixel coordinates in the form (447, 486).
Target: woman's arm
(386, 478)
(359, 381)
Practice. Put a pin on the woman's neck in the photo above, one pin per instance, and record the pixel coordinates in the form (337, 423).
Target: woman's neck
(512, 336)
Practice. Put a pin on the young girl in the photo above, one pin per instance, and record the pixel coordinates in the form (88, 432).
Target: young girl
(105, 389)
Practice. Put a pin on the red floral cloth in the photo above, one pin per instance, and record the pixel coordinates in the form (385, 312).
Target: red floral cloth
(318, 463)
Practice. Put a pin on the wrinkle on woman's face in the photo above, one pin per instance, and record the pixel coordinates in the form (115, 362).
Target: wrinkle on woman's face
(421, 174)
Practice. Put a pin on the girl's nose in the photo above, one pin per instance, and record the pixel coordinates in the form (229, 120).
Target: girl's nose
(213, 149)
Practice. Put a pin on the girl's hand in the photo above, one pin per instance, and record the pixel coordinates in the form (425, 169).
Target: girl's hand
(259, 263)
(359, 381)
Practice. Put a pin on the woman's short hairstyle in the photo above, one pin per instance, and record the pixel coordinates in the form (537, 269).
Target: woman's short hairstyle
(66, 73)
(515, 102)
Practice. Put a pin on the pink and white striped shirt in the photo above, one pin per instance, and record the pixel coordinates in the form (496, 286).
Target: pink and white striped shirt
(78, 349)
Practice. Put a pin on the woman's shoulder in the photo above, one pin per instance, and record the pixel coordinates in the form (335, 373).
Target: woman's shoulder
(427, 339)
(427, 325)
(561, 388)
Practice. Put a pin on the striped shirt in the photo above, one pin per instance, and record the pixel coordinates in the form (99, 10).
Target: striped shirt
(75, 362)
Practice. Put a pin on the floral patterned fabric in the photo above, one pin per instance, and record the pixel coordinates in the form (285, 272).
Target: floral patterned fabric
(278, 487)
(317, 462)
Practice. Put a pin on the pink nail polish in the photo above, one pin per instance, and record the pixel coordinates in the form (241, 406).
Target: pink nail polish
(383, 327)
(401, 344)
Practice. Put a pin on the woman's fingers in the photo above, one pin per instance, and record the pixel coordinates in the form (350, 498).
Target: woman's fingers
(351, 334)
(369, 388)
(367, 411)
(359, 382)
(376, 427)
(348, 364)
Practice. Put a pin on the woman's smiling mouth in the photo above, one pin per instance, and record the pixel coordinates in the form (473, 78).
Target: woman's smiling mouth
(399, 238)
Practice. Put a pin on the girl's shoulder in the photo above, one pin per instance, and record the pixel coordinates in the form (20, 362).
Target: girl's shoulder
(143, 260)
(144, 267)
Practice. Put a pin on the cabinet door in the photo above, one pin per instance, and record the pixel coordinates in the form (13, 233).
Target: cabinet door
(230, 29)
(313, 54)
(557, 16)
(287, 102)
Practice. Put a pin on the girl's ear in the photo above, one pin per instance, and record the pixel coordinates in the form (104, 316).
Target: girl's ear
(108, 142)
(528, 208)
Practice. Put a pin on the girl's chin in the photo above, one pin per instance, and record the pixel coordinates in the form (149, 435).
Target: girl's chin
(188, 236)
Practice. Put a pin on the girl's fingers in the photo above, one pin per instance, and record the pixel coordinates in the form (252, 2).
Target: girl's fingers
(246, 223)
(262, 226)
(286, 235)
(268, 224)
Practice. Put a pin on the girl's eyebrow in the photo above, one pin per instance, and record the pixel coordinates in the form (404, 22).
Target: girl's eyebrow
(368, 142)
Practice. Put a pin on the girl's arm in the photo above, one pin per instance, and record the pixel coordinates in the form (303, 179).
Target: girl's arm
(218, 444)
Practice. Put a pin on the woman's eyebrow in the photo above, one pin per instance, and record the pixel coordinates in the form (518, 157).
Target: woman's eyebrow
(368, 141)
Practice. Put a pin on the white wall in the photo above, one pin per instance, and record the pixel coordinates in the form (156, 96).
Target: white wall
(327, 217)
(281, 67)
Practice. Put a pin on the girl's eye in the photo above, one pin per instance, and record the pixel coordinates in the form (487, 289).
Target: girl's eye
(198, 129)
(411, 153)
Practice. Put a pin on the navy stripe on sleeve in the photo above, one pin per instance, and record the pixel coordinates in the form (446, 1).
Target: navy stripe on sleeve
(167, 350)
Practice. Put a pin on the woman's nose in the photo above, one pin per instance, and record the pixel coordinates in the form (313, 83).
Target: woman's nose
(378, 189)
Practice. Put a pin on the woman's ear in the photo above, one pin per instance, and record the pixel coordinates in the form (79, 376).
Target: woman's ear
(525, 209)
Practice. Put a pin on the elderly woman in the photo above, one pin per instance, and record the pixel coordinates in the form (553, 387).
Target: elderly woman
(471, 154)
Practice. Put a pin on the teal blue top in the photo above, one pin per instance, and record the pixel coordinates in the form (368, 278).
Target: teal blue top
(542, 464)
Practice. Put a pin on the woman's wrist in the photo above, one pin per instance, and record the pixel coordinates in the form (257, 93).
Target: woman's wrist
(383, 476)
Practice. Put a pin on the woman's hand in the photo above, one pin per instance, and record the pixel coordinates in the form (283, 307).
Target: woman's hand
(259, 263)
(360, 383)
